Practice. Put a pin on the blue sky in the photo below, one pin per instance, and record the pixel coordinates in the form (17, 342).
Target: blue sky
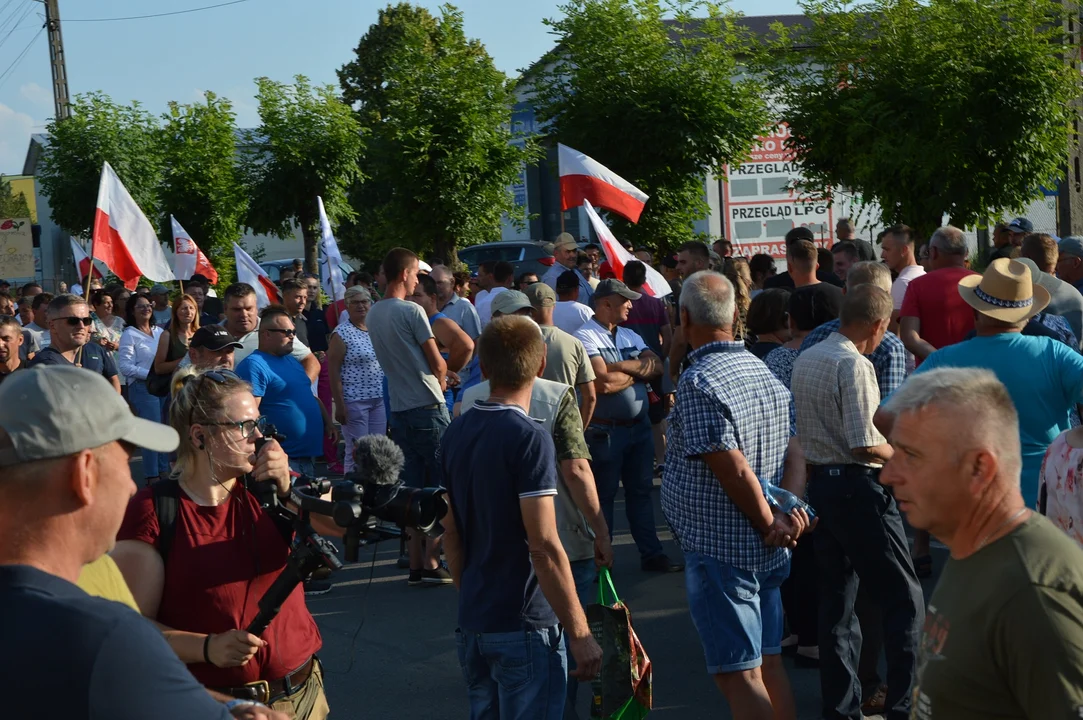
(177, 58)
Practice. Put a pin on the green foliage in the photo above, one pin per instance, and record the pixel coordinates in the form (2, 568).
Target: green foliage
(99, 130)
(931, 106)
(12, 206)
(202, 185)
(656, 101)
(440, 156)
(308, 144)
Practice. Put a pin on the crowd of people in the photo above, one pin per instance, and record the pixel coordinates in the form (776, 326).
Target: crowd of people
(799, 425)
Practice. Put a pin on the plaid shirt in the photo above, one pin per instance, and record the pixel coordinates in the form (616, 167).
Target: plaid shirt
(890, 359)
(727, 400)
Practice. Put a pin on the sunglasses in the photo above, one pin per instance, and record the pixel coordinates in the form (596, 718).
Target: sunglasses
(283, 331)
(248, 427)
(76, 321)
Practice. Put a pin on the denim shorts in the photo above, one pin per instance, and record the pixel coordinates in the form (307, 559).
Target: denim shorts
(737, 613)
(418, 433)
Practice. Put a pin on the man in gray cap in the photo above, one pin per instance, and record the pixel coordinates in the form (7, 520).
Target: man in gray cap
(619, 434)
(565, 251)
(1070, 261)
(159, 295)
(66, 441)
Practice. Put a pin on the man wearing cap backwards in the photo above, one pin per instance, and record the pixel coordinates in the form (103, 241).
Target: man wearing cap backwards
(1044, 377)
(619, 434)
(159, 295)
(66, 440)
(566, 251)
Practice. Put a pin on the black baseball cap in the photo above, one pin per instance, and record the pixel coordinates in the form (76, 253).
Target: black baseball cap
(213, 337)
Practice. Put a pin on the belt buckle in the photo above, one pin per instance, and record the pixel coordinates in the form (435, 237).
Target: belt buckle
(263, 688)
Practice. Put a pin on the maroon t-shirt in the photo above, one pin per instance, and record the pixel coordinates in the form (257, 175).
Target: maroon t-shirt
(221, 562)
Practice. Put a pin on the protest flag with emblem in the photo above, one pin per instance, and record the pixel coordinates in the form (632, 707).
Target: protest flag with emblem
(123, 237)
(249, 271)
(188, 259)
(618, 256)
(584, 180)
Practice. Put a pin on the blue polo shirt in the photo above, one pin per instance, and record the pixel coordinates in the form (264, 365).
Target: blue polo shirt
(115, 664)
(287, 401)
(489, 460)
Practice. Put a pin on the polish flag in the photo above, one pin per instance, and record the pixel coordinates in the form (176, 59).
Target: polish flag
(123, 237)
(188, 259)
(249, 271)
(583, 179)
(82, 261)
(618, 256)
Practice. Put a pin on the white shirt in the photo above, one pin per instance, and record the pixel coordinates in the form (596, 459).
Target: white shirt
(135, 356)
(569, 315)
(484, 305)
(898, 288)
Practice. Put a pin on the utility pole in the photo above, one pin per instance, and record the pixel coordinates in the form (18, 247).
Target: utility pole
(61, 99)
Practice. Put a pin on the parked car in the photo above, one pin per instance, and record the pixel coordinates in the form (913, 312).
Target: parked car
(273, 268)
(524, 255)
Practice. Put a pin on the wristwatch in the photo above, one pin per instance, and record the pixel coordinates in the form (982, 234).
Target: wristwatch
(234, 704)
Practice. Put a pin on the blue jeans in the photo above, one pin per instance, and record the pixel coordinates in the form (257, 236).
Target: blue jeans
(625, 455)
(514, 675)
(737, 613)
(418, 433)
(583, 572)
(151, 408)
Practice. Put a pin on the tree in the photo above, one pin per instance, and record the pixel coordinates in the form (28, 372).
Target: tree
(12, 206)
(440, 158)
(308, 144)
(203, 185)
(939, 106)
(654, 100)
(97, 131)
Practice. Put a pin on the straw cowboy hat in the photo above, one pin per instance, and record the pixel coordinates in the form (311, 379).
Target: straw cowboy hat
(1005, 292)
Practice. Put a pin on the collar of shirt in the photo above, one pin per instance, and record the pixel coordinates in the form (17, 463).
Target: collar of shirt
(718, 346)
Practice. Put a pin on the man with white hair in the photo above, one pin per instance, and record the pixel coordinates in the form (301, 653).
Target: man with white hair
(728, 435)
(933, 316)
(860, 533)
(1004, 632)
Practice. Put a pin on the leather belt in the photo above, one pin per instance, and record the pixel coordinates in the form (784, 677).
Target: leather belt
(269, 691)
(615, 423)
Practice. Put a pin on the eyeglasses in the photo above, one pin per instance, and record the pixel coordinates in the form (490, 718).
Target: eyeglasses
(76, 321)
(283, 331)
(247, 427)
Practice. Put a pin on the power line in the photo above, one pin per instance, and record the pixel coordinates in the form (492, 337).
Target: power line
(10, 70)
(157, 15)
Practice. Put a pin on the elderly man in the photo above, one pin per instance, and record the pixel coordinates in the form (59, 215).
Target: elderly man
(566, 253)
(1041, 254)
(1004, 633)
(459, 310)
(69, 328)
(66, 440)
(242, 318)
(1043, 376)
(933, 315)
(619, 434)
(729, 432)
(860, 534)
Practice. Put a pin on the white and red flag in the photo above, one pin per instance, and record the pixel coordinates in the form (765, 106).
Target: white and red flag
(82, 261)
(584, 179)
(249, 271)
(618, 256)
(123, 237)
(188, 259)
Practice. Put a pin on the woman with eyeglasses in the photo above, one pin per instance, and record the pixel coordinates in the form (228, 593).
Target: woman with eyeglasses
(173, 343)
(201, 570)
(135, 358)
(356, 376)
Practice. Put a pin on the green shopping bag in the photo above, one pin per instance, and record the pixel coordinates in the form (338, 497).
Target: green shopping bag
(622, 690)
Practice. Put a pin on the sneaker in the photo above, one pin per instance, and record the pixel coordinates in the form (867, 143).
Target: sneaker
(661, 564)
(317, 587)
(440, 575)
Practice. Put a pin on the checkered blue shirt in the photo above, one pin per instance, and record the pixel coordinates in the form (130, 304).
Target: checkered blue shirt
(890, 359)
(727, 400)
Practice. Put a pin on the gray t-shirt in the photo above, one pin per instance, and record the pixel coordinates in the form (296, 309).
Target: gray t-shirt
(398, 329)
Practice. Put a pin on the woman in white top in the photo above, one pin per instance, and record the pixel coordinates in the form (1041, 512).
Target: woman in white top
(357, 379)
(138, 346)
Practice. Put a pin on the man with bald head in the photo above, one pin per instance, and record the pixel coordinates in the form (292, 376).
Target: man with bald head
(1004, 632)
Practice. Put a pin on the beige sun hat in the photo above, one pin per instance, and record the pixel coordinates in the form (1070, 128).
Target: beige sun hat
(1005, 292)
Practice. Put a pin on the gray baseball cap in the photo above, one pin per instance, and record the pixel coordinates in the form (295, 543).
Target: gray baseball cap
(509, 302)
(1071, 246)
(54, 411)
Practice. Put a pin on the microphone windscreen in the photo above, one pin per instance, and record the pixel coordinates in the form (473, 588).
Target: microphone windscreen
(378, 460)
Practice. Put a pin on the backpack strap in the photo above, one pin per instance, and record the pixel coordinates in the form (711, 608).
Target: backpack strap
(166, 507)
